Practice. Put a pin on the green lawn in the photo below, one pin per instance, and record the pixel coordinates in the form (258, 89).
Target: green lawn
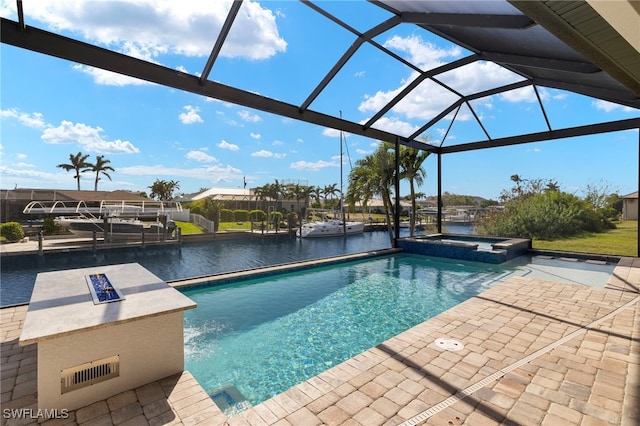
(224, 226)
(188, 228)
(622, 241)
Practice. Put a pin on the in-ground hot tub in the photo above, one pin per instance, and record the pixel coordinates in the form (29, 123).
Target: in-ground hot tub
(466, 247)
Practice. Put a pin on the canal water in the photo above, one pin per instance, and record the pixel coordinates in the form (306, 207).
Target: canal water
(18, 273)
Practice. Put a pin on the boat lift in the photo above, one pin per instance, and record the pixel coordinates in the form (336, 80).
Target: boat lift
(110, 208)
(106, 210)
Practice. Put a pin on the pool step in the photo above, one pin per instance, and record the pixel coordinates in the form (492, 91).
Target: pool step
(229, 400)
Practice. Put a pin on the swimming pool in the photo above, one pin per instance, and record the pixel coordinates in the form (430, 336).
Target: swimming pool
(263, 336)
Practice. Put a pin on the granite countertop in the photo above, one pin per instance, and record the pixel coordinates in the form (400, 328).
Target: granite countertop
(61, 302)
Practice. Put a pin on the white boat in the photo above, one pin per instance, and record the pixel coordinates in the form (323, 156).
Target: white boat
(329, 228)
(83, 226)
(334, 227)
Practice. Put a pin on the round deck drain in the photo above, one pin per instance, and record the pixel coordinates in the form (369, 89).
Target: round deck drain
(449, 344)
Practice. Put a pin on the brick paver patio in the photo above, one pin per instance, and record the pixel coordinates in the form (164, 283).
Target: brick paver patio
(535, 353)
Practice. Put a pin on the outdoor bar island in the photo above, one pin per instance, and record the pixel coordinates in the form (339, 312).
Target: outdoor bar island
(101, 331)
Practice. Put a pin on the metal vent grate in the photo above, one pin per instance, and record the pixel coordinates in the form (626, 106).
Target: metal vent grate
(90, 373)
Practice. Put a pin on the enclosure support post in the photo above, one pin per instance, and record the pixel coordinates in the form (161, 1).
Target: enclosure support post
(439, 212)
(396, 216)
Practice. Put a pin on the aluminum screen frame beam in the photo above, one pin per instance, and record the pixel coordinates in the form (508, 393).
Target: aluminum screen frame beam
(48, 43)
(224, 32)
(592, 129)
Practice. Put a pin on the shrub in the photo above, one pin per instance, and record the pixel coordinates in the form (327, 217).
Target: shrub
(546, 216)
(226, 215)
(49, 226)
(276, 217)
(257, 215)
(241, 215)
(206, 207)
(12, 231)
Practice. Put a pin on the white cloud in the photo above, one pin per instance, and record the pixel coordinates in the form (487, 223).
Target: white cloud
(230, 146)
(200, 156)
(332, 133)
(313, 166)
(190, 115)
(247, 116)
(160, 27)
(422, 53)
(262, 153)
(34, 120)
(359, 74)
(22, 164)
(395, 125)
(523, 94)
(108, 78)
(30, 176)
(255, 135)
(610, 106)
(267, 154)
(88, 137)
(165, 27)
(21, 156)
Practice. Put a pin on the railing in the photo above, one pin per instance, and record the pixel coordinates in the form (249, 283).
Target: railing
(207, 224)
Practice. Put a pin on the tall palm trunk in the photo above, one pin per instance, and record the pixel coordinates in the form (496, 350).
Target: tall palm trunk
(412, 217)
(388, 205)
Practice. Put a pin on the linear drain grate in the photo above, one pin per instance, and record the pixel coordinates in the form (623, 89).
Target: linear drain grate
(90, 373)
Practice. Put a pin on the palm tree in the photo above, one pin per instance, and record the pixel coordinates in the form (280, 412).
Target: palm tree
(78, 163)
(163, 190)
(262, 193)
(552, 186)
(305, 193)
(300, 192)
(282, 193)
(374, 176)
(274, 191)
(411, 160)
(331, 191)
(100, 168)
(316, 193)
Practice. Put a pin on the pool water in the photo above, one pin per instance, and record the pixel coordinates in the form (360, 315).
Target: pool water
(263, 336)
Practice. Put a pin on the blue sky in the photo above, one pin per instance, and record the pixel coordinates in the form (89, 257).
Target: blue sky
(50, 108)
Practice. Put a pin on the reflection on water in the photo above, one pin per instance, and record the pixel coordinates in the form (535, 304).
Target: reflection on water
(191, 260)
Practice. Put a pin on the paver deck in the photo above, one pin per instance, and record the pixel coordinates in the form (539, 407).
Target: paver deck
(535, 353)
